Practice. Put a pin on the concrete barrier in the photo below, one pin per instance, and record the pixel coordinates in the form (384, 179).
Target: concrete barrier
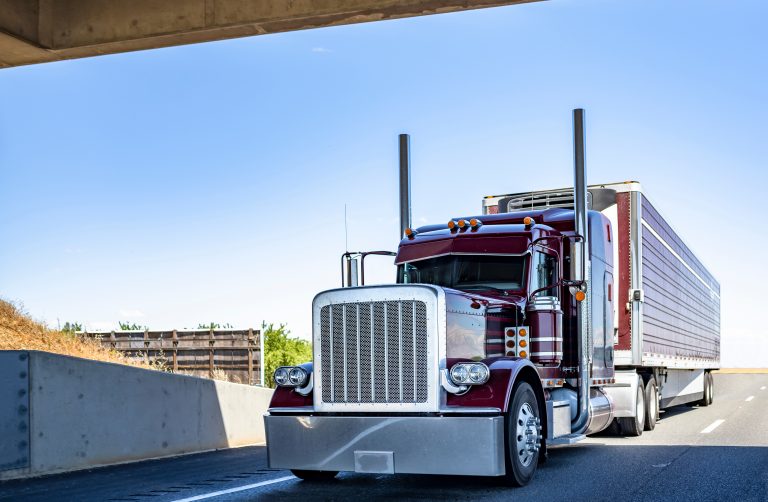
(60, 413)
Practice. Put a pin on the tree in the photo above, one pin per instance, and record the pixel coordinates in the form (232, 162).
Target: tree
(72, 327)
(280, 349)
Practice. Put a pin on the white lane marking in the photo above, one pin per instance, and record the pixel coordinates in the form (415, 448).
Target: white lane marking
(750, 398)
(235, 490)
(714, 425)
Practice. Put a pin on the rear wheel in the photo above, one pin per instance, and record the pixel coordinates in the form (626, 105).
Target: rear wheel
(651, 404)
(523, 436)
(633, 426)
(314, 475)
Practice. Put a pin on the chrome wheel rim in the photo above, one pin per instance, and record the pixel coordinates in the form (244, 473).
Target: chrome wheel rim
(653, 405)
(640, 407)
(527, 434)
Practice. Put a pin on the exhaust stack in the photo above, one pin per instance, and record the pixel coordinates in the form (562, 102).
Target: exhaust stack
(580, 269)
(405, 183)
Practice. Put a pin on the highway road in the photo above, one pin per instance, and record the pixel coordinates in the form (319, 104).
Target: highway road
(718, 452)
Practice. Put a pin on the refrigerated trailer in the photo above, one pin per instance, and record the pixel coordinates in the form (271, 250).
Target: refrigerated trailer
(666, 322)
(550, 316)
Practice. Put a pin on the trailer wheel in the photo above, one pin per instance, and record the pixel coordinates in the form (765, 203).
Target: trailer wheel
(314, 475)
(633, 426)
(523, 436)
(651, 404)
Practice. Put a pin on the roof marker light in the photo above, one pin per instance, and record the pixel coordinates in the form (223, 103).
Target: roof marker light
(452, 225)
(475, 223)
(462, 224)
(528, 221)
(410, 233)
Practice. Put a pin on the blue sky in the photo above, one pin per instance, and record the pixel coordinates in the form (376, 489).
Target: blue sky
(208, 182)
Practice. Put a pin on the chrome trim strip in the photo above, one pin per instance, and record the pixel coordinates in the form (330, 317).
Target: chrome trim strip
(547, 339)
(546, 354)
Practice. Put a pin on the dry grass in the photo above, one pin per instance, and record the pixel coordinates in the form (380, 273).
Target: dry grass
(18, 331)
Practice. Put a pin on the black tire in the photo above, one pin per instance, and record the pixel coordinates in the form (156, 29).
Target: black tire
(521, 463)
(706, 400)
(711, 387)
(651, 404)
(633, 426)
(314, 475)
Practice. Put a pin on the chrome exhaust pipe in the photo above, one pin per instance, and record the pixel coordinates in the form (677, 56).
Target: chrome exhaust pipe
(580, 270)
(405, 183)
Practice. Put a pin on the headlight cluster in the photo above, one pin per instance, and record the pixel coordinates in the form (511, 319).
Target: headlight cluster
(291, 376)
(470, 373)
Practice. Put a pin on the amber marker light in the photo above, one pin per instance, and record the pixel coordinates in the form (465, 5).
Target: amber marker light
(510, 343)
(462, 224)
(580, 296)
(410, 233)
(522, 332)
(511, 353)
(528, 221)
(475, 223)
(452, 225)
(523, 353)
(523, 343)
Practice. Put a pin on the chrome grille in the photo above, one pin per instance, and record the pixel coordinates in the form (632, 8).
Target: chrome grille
(374, 352)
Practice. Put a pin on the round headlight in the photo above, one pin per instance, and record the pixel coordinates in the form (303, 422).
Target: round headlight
(281, 376)
(459, 374)
(297, 376)
(478, 373)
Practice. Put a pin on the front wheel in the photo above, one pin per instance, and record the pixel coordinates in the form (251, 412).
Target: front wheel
(524, 437)
(314, 475)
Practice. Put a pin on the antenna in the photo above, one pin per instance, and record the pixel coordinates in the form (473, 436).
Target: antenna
(346, 232)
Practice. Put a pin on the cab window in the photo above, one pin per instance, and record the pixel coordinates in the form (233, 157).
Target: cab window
(544, 274)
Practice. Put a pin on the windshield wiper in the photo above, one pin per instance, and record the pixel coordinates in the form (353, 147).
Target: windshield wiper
(484, 286)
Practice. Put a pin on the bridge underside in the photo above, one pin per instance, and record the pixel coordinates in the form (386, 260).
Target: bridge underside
(39, 31)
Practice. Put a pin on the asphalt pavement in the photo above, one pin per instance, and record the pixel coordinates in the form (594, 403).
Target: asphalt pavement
(718, 452)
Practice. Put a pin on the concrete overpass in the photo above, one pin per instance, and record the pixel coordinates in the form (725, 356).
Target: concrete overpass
(40, 31)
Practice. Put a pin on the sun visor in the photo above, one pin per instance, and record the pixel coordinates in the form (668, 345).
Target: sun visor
(474, 245)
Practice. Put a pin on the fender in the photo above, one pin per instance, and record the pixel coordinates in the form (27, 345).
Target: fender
(285, 397)
(497, 393)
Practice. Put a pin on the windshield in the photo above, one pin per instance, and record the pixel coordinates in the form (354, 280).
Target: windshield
(466, 272)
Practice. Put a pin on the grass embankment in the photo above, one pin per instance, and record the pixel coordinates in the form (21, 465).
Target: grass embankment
(18, 331)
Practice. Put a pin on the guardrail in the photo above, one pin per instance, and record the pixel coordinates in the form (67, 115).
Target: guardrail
(236, 352)
(60, 413)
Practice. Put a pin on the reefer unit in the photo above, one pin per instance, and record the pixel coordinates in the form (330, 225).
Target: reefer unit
(668, 308)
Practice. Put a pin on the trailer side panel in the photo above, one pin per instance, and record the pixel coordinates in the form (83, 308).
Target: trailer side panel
(681, 308)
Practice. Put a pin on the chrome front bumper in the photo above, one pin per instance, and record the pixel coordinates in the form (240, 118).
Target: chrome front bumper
(472, 446)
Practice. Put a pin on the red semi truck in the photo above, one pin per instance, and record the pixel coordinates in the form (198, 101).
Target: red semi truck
(552, 315)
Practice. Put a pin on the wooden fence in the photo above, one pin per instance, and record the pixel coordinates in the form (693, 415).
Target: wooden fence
(234, 352)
